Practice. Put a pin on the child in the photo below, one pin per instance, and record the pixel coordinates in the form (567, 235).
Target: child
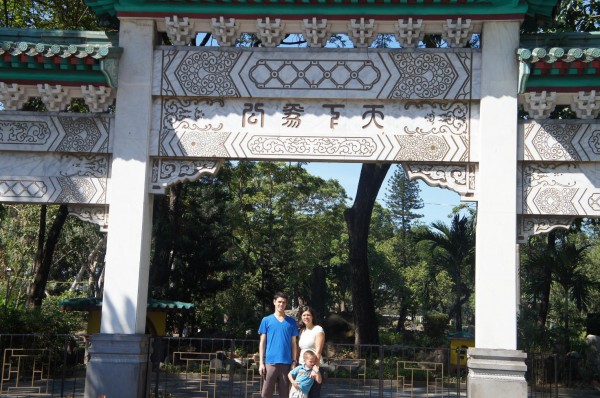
(300, 376)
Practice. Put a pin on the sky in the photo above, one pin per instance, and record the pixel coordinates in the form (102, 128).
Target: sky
(438, 201)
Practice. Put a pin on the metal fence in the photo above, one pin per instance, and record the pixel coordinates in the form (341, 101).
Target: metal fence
(229, 368)
(54, 366)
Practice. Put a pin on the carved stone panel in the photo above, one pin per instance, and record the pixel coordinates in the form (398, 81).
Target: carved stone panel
(81, 190)
(560, 140)
(318, 73)
(62, 132)
(565, 189)
(340, 130)
(54, 165)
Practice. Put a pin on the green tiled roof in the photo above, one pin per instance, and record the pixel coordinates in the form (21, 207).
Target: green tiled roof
(94, 303)
(31, 56)
(462, 335)
(559, 62)
(283, 8)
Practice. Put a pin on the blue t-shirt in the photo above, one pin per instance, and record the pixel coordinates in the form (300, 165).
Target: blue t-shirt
(279, 339)
(302, 377)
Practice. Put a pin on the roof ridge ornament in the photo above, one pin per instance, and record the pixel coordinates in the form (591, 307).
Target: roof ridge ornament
(178, 30)
(225, 31)
(270, 32)
(316, 31)
(96, 51)
(409, 33)
(362, 33)
(457, 33)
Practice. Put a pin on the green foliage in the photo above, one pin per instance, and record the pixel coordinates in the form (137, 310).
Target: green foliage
(48, 319)
(435, 326)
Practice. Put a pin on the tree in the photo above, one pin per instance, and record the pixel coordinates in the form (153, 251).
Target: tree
(44, 254)
(454, 251)
(358, 220)
(403, 198)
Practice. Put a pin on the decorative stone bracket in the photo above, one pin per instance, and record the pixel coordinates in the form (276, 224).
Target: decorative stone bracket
(12, 96)
(460, 178)
(457, 33)
(539, 105)
(586, 105)
(362, 32)
(534, 225)
(94, 214)
(224, 31)
(179, 30)
(166, 172)
(316, 32)
(270, 33)
(56, 98)
(409, 33)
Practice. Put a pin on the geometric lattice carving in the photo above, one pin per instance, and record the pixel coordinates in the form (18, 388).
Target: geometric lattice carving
(179, 30)
(225, 32)
(586, 106)
(166, 172)
(54, 97)
(270, 33)
(98, 99)
(81, 190)
(529, 226)
(361, 33)
(409, 33)
(457, 33)
(316, 32)
(93, 214)
(539, 105)
(12, 96)
(237, 72)
(460, 178)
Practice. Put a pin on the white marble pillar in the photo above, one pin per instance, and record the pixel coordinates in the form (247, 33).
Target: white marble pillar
(130, 218)
(119, 354)
(496, 368)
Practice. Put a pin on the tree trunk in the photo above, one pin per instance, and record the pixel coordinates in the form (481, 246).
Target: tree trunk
(44, 254)
(544, 306)
(358, 219)
(165, 236)
(318, 292)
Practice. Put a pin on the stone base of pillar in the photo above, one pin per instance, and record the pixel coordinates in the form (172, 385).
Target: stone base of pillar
(496, 373)
(118, 366)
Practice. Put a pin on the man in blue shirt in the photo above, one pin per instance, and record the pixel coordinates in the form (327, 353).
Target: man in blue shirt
(277, 348)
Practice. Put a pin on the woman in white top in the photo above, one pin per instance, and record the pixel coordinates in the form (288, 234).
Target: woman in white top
(312, 337)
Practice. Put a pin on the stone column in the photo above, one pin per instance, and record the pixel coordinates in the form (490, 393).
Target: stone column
(121, 349)
(496, 368)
